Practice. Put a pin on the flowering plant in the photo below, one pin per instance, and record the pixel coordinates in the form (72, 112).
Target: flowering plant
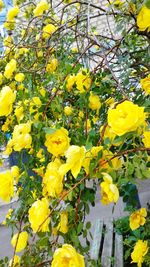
(76, 103)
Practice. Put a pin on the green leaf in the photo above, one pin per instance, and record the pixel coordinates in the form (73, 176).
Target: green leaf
(147, 3)
(79, 228)
(88, 225)
(88, 145)
(48, 130)
(43, 242)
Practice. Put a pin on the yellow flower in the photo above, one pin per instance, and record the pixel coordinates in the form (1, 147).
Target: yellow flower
(67, 256)
(117, 3)
(19, 112)
(63, 225)
(7, 98)
(42, 92)
(8, 41)
(1, 78)
(21, 241)
(68, 1)
(108, 133)
(57, 142)
(110, 101)
(53, 180)
(8, 147)
(41, 8)
(83, 81)
(52, 65)
(68, 110)
(15, 172)
(94, 102)
(75, 156)
(21, 137)
(39, 215)
(39, 171)
(145, 83)
(137, 218)
(48, 30)
(109, 190)
(40, 54)
(8, 216)
(9, 25)
(12, 13)
(121, 119)
(16, 262)
(6, 186)
(140, 250)
(19, 77)
(115, 163)
(40, 153)
(146, 139)
(143, 19)
(10, 68)
(81, 114)
(71, 79)
(35, 104)
(1, 5)
(74, 49)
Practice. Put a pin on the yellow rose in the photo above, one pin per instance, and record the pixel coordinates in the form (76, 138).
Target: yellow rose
(94, 102)
(22, 241)
(68, 110)
(67, 256)
(1, 78)
(52, 65)
(75, 156)
(15, 172)
(39, 215)
(115, 163)
(83, 81)
(53, 180)
(109, 191)
(58, 142)
(93, 153)
(16, 262)
(81, 114)
(12, 13)
(137, 218)
(19, 77)
(48, 30)
(63, 225)
(8, 215)
(8, 147)
(40, 153)
(140, 250)
(7, 98)
(19, 112)
(10, 68)
(41, 8)
(21, 137)
(145, 83)
(9, 25)
(121, 119)
(108, 133)
(1, 5)
(146, 139)
(143, 19)
(35, 104)
(71, 79)
(6, 186)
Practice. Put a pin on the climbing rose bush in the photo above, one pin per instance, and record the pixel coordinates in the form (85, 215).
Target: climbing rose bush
(74, 115)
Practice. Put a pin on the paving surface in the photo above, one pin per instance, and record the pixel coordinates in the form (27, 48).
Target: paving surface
(99, 211)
